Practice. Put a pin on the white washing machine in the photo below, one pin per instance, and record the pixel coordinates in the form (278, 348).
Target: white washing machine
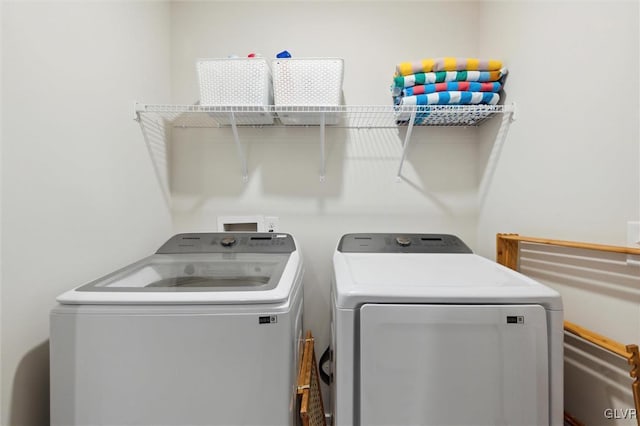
(424, 332)
(204, 332)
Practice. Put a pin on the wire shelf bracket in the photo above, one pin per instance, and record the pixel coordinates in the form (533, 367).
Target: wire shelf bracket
(405, 144)
(241, 154)
(450, 116)
(323, 121)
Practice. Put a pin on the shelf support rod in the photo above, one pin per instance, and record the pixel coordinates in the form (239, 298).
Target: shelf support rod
(243, 160)
(407, 138)
(508, 117)
(157, 152)
(322, 157)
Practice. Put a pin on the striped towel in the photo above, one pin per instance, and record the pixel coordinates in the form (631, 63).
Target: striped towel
(450, 98)
(453, 86)
(448, 64)
(444, 76)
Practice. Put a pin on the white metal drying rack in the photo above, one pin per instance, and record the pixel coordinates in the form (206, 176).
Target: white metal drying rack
(153, 118)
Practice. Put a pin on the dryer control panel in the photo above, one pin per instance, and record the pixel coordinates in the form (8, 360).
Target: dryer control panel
(402, 243)
(229, 242)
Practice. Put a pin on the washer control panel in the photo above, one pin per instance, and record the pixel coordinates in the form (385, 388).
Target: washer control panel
(402, 243)
(225, 242)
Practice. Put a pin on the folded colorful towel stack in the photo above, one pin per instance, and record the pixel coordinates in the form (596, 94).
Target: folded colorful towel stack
(448, 81)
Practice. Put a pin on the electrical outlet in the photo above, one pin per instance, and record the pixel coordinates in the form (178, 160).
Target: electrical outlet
(272, 223)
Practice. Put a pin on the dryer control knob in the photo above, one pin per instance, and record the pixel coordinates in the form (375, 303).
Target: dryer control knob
(403, 241)
(227, 241)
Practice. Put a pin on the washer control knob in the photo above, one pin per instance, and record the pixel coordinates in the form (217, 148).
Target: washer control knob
(228, 241)
(403, 241)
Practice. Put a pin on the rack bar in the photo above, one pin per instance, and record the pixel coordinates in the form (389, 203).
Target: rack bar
(628, 352)
(599, 340)
(507, 254)
(569, 420)
(572, 244)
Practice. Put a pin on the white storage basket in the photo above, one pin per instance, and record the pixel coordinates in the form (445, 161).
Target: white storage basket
(307, 82)
(244, 82)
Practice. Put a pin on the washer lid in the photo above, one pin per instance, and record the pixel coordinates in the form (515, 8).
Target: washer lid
(432, 278)
(201, 268)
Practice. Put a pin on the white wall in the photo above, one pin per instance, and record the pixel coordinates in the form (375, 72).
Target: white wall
(77, 182)
(569, 169)
(78, 191)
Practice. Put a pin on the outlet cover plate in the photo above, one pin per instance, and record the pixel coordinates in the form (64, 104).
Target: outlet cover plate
(272, 223)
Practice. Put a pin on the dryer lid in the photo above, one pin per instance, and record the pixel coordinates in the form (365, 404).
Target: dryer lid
(433, 278)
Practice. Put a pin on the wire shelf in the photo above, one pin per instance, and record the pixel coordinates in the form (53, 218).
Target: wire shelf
(156, 122)
(364, 116)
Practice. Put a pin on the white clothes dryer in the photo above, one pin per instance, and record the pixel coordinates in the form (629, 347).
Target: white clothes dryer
(424, 332)
(204, 332)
